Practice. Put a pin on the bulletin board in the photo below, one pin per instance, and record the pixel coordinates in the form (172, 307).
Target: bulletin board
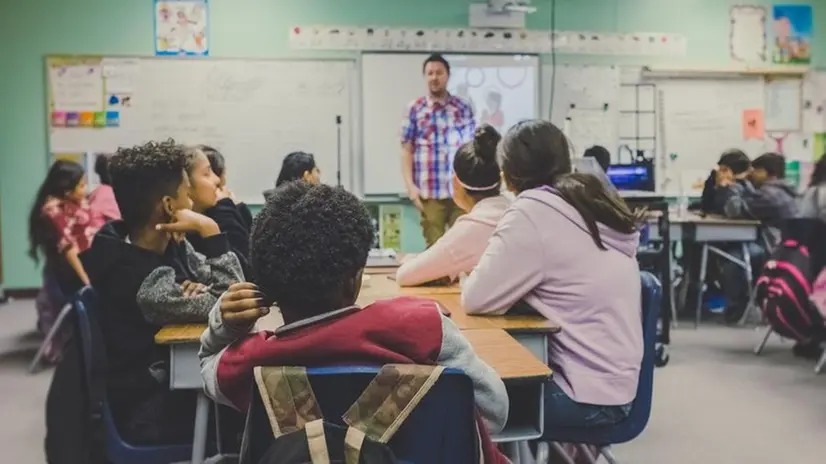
(254, 111)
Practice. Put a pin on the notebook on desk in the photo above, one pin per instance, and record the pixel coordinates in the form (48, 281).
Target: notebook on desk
(382, 258)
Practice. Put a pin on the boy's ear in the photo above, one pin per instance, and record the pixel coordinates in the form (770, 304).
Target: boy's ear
(167, 206)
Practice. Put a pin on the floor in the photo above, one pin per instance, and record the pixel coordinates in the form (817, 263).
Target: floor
(714, 403)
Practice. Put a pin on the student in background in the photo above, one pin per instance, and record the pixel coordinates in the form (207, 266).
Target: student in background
(732, 169)
(102, 199)
(215, 203)
(813, 203)
(146, 276)
(298, 165)
(61, 226)
(600, 154)
(309, 249)
(764, 196)
(219, 167)
(477, 191)
(567, 248)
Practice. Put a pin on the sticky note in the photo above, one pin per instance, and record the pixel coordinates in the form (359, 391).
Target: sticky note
(72, 119)
(113, 119)
(58, 119)
(753, 124)
(100, 119)
(87, 119)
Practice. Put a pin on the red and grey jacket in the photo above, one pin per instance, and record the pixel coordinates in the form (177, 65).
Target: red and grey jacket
(398, 331)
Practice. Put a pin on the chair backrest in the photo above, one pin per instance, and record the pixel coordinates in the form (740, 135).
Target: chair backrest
(442, 428)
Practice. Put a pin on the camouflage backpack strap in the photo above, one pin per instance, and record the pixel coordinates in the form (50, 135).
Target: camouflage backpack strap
(389, 399)
(288, 398)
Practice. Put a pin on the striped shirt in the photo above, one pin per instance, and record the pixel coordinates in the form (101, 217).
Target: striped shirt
(436, 130)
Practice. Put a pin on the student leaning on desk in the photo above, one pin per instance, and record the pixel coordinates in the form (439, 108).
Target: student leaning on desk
(309, 248)
(567, 248)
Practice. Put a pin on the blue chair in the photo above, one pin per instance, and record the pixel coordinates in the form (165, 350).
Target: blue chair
(440, 430)
(94, 358)
(632, 426)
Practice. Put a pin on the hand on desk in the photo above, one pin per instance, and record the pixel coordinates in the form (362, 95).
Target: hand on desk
(242, 305)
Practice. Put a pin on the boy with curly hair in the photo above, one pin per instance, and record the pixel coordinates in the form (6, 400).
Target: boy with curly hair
(147, 275)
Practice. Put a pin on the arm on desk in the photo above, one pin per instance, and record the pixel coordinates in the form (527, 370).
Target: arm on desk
(488, 389)
(510, 267)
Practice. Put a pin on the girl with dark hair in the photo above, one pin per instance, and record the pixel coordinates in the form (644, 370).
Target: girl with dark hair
(567, 248)
(102, 199)
(298, 165)
(477, 191)
(61, 226)
(813, 203)
(219, 167)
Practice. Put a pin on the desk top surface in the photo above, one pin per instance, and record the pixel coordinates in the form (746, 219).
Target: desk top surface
(692, 218)
(381, 287)
(505, 355)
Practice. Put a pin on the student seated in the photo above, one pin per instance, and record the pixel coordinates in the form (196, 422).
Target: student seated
(147, 275)
(102, 199)
(601, 155)
(298, 165)
(732, 169)
(764, 196)
(216, 203)
(477, 191)
(219, 167)
(61, 226)
(309, 249)
(567, 249)
(813, 202)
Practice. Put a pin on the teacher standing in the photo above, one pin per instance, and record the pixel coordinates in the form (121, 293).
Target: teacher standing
(434, 128)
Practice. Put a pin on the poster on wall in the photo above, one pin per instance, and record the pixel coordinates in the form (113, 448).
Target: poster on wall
(181, 27)
(792, 34)
(747, 40)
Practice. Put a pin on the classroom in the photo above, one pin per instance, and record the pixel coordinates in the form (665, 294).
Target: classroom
(566, 230)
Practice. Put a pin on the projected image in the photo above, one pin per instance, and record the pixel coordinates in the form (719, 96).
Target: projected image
(499, 96)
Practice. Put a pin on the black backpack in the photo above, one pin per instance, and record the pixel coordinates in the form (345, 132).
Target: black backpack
(303, 437)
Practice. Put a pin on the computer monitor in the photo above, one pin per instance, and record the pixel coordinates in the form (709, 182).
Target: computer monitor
(632, 176)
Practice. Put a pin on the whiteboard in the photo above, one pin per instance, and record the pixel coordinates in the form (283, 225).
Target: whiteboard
(783, 101)
(390, 82)
(252, 111)
(700, 119)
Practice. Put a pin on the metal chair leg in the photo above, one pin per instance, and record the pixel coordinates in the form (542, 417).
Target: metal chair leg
(585, 451)
(820, 363)
(759, 348)
(701, 283)
(609, 455)
(58, 323)
(560, 451)
(542, 453)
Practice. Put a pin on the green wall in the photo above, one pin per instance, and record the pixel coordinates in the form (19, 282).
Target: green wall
(31, 29)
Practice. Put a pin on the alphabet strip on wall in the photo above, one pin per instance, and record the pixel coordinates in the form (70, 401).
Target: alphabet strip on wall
(486, 40)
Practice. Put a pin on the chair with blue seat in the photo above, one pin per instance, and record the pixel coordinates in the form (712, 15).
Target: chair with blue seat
(441, 428)
(625, 431)
(94, 358)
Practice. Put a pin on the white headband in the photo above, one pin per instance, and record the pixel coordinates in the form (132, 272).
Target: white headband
(478, 189)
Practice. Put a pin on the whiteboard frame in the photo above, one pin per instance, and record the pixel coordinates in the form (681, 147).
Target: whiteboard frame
(356, 116)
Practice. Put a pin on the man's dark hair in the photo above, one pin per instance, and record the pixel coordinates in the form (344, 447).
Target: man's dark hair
(102, 168)
(736, 160)
(601, 155)
(143, 175)
(436, 58)
(773, 163)
(306, 243)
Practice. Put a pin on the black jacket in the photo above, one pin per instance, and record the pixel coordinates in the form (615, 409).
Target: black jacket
(233, 223)
(139, 292)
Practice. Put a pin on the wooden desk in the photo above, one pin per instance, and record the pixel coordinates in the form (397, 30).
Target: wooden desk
(506, 356)
(707, 229)
(379, 287)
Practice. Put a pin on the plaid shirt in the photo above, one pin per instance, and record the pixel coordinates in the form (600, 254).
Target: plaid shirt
(436, 130)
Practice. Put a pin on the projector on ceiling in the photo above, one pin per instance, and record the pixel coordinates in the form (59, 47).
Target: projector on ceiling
(511, 6)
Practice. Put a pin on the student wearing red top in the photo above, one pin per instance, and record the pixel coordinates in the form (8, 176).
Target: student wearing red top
(309, 248)
(102, 199)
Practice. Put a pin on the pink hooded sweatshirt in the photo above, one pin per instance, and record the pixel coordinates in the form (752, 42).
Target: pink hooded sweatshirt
(459, 250)
(542, 253)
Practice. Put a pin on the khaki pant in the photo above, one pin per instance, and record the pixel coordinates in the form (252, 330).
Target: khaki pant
(437, 216)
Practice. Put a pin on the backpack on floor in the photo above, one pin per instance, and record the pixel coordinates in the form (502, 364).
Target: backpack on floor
(301, 434)
(783, 290)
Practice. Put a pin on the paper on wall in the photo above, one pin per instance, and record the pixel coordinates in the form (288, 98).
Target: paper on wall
(120, 74)
(592, 127)
(747, 41)
(813, 107)
(77, 88)
(782, 104)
